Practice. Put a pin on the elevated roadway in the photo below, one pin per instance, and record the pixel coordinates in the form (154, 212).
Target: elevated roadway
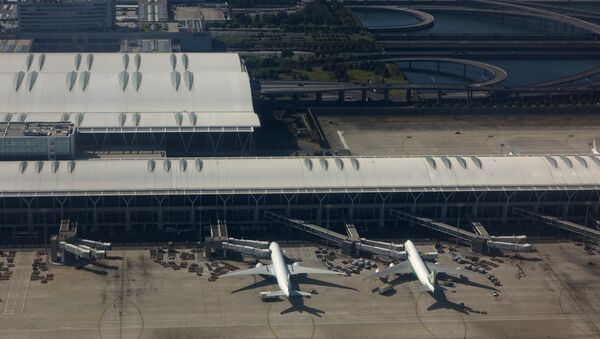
(426, 20)
(572, 78)
(543, 13)
(516, 11)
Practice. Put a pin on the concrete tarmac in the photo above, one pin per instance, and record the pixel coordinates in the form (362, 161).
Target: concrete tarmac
(493, 134)
(554, 293)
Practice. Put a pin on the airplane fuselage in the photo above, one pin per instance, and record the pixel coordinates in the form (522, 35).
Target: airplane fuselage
(280, 268)
(418, 266)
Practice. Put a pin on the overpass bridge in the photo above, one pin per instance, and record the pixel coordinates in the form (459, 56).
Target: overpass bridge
(515, 10)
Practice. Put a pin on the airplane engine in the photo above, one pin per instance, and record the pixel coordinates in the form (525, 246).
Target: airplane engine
(259, 265)
(296, 264)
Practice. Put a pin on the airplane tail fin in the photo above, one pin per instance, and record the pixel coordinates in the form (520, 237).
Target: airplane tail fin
(433, 276)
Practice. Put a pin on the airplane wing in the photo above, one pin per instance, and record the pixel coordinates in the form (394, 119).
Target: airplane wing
(262, 270)
(449, 270)
(401, 268)
(308, 270)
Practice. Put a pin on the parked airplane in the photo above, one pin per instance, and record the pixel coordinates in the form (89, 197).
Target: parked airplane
(424, 271)
(282, 273)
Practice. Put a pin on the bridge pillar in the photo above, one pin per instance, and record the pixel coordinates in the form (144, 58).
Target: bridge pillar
(439, 96)
(438, 66)
(464, 70)
(364, 95)
(386, 95)
(408, 95)
(341, 95)
(319, 97)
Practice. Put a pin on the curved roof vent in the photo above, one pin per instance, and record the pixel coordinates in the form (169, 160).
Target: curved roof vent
(65, 117)
(447, 162)
(123, 80)
(151, 165)
(167, 165)
(339, 163)
(567, 161)
(7, 117)
(138, 61)
(29, 61)
(552, 161)
(77, 61)
(193, 118)
(79, 119)
(121, 118)
(595, 160)
(41, 61)
(19, 80)
(462, 162)
(199, 164)
(178, 118)
(71, 166)
(89, 61)
(431, 162)
(136, 119)
(581, 161)
(188, 78)
(308, 163)
(477, 162)
(185, 61)
(22, 117)
(125, 61)
(355, 163)
(136, 77)
(38, 166)
(84, 79)
(176, 79)
(31, 78)
(183, 164)
(324, 163)
(22, 166)
(54, 166)
(71, 78)
(173, 61)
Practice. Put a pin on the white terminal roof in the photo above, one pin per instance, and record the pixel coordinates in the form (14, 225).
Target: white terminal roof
(297, 175)
(128, 92)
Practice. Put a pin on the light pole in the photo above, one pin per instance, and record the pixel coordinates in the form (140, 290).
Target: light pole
(44, 210)
(327, 238)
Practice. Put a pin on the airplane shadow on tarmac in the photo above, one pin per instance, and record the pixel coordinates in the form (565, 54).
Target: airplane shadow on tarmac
(439, 296)
(297, 303)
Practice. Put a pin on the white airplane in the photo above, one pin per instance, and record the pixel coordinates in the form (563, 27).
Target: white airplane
(282, 273)
(424, 271)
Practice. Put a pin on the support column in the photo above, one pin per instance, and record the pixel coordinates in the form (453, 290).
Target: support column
(94, 202)
(127, 201)
(319, 97)
(506, 206)
(386, 95)
(381, 219)
(364, 95)
(160, 222)
(341, 97)
(565, 209)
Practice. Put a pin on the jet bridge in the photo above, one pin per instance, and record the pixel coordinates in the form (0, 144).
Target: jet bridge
(259, 249)
(559, 223)
(307, 227)
(435, 225)
(480, 239)
(350, 244)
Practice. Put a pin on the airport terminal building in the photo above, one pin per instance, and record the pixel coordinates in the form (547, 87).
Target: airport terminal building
(153, 196)
(200, 100)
